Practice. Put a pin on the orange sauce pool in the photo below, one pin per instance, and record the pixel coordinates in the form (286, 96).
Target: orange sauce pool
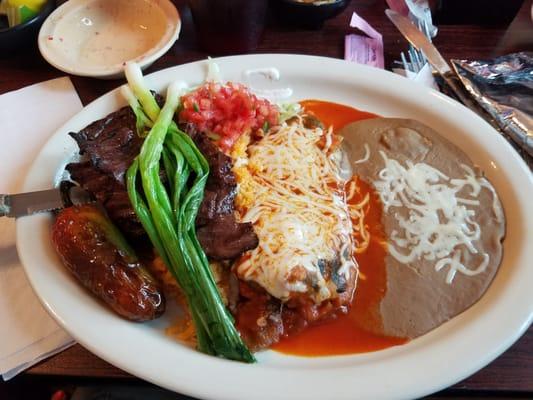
(352, 332)
(333, 114)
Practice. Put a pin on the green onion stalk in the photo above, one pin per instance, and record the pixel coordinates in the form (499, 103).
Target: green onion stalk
(168, 214)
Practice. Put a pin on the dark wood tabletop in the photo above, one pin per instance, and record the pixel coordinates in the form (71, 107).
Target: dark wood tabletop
(509, 375)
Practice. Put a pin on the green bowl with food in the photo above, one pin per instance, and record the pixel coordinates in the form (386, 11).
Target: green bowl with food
(20, 21)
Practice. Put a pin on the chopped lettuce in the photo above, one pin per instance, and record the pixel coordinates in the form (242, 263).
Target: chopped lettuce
(288, 110)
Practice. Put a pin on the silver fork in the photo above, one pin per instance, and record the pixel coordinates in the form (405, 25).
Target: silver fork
(417, 59)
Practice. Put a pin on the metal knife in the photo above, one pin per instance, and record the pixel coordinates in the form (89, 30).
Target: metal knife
(422, 43)
(22, 204)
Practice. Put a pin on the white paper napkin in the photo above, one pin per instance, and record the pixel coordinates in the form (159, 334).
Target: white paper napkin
(28, 117)
(424, 76)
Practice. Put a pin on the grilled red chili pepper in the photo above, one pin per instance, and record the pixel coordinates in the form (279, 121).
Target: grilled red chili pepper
(95, 251)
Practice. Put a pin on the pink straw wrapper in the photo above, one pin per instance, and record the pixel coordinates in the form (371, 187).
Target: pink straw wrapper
(361, 49)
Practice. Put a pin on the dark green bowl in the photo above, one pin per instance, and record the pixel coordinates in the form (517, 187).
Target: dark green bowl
(24, 35)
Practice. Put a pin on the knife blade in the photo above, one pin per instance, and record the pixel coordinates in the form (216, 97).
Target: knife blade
(420, 41)
(22, 204)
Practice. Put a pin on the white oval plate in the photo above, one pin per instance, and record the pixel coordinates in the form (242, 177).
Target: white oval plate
(432, 362)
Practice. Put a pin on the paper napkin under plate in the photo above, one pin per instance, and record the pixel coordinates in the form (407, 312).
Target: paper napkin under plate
(28, 117)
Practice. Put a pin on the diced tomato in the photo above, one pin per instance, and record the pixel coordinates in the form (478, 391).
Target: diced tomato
(228, 111)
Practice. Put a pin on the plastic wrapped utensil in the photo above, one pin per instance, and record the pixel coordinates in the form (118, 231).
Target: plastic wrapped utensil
(504, 88)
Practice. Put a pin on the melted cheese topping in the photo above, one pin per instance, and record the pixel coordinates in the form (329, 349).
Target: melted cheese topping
(290, 189)
(441, 224)
(360, 232)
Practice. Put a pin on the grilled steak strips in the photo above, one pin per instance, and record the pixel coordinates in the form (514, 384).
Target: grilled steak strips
(219, 233)
(111, 194)
(112, 143)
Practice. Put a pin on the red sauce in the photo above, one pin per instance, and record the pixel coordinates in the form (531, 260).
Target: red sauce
(333, 114)
(351, 333)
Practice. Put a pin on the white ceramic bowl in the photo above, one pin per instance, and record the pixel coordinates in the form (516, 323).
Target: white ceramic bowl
(97, 37)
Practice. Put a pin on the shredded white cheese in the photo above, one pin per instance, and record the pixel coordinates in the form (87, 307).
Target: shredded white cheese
(366, 156)
(440, 225)
(299, 213)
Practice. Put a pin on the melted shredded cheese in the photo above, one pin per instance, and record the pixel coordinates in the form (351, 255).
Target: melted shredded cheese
(440, 225)
(357, 211)
(290, 189)
(366, 156)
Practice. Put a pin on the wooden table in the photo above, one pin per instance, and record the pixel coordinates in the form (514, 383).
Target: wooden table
(510, 374)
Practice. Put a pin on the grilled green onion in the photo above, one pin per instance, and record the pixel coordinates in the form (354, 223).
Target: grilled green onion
(168, 217)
